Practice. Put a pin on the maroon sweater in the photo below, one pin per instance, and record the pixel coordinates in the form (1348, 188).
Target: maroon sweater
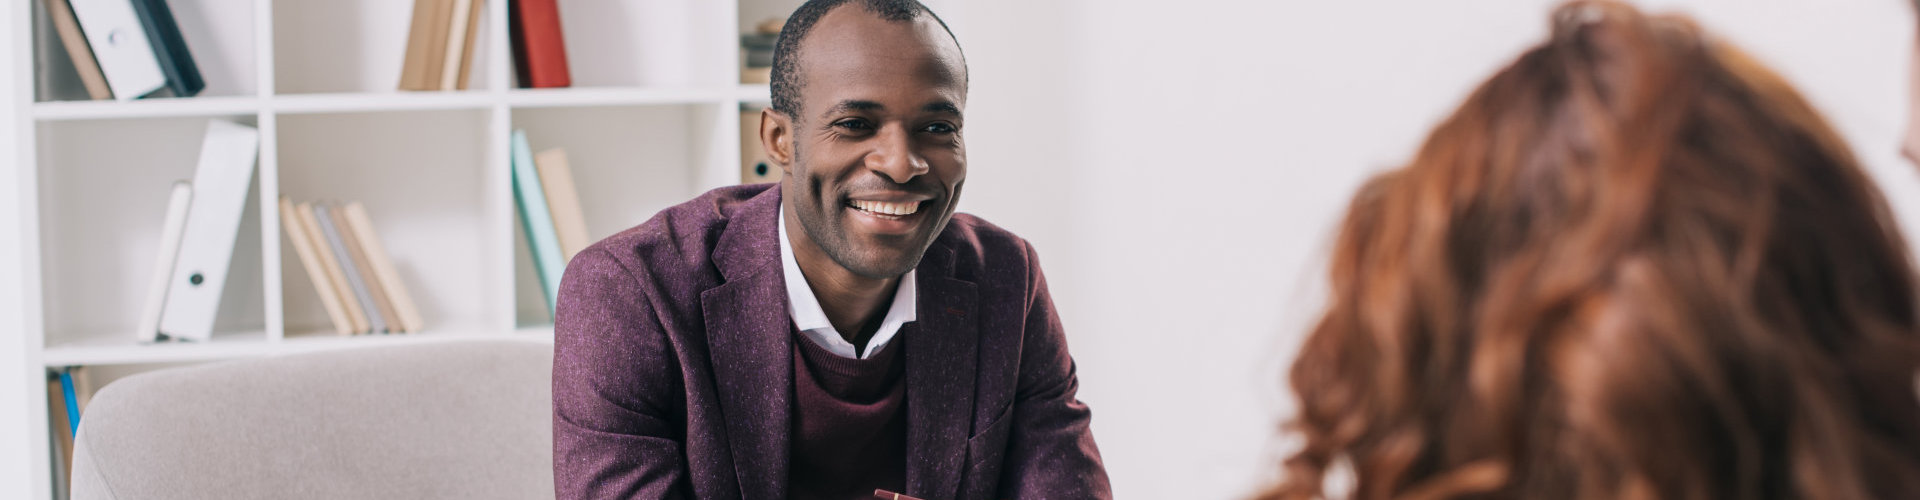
(849, 422)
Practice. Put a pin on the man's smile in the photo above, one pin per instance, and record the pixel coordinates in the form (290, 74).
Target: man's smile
(885, 207)
(899, 214)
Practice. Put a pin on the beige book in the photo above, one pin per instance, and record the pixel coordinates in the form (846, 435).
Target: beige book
(61, 428)
(433, 44)
(78, 50)
(466, 53)
(563, 201)
(456, 43)
(336, 279)
(413, 75)
(382, 264)
(297, 231)
(351, 240)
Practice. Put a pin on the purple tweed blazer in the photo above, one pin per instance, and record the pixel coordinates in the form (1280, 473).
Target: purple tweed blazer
(673, 375)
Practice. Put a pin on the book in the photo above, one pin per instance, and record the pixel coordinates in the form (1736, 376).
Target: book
(537, 220)
(72, 401)
(426, 45)
(539, 50)
(350, 269)
(755, 167)
(569, 221)
(389, 278)
(296, 230)
(170, 48)
(69, 391)
(60, 430)
(378, 294)
(121, 47)
(336, 279)
(171, 231)
(456, 45)
(78, 50)
(220, 186)
(472, 27)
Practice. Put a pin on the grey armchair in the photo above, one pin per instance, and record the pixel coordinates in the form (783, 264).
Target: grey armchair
(438, 420)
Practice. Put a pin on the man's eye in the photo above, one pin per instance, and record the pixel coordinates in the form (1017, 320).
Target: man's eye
(857, 125)
(940, 128)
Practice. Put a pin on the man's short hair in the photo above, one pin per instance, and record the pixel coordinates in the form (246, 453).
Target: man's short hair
(786, 54)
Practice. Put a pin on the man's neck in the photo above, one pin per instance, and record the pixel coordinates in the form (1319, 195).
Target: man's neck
(854, 304)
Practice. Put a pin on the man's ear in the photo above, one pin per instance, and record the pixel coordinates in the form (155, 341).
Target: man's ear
(776, 136)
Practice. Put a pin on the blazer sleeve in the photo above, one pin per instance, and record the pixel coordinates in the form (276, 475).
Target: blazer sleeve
(613, 385)
(1050, 450)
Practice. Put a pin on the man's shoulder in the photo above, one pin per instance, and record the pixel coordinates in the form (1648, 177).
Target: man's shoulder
(973, 230)
(680, 238)
(982, 249)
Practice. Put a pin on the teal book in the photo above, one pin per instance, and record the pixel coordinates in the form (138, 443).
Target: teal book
(537, 220)
(73, 403)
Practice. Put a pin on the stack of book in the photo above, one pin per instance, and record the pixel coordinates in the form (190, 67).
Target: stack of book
(756, 49)
(349, 268)
(440, 45)
(125, 49)
(550, 214)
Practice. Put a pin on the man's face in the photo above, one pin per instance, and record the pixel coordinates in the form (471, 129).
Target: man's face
(874, 162)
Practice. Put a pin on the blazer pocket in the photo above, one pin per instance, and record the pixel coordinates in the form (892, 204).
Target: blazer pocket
(985, 452)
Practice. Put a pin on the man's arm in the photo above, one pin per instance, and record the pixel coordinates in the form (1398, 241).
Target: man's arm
(615, 388)
(1050, 450)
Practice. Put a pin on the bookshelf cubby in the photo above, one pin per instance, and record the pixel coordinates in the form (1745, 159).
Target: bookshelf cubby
(95, 276)
(652, 119)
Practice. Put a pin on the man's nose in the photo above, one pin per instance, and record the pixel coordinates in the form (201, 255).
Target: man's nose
(894, 157)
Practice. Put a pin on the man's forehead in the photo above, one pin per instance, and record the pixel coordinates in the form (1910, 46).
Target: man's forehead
(852, 52)
(849, 24)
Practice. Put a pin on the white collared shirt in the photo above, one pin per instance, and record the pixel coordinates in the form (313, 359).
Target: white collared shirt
(812, 321)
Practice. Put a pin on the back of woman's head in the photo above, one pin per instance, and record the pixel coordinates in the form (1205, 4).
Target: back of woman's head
(1633, 264)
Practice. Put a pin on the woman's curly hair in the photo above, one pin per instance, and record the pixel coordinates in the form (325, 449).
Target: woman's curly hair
(1634, 264)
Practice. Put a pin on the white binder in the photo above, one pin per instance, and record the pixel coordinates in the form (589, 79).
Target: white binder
(169, 252)
(121, 46)
(213, 223)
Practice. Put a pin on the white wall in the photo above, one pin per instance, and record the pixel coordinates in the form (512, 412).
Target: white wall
(1180, 166)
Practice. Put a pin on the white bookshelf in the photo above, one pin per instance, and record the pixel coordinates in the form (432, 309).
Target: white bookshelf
(651, 120)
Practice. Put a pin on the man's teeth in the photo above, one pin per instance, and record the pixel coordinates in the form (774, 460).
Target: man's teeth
(889, 208)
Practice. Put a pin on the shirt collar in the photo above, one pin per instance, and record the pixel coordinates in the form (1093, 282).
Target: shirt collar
(812, 320)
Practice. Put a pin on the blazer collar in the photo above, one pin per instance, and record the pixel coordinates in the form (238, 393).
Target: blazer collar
(750, 241)
(750, 346)
(752, 354)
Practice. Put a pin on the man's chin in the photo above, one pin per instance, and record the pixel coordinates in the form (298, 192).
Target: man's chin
(882, 264)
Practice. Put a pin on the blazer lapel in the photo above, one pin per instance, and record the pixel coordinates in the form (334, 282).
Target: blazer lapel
(751, 347)
(942, 357)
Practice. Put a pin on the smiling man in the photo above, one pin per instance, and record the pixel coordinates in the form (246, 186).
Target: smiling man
(837, 333)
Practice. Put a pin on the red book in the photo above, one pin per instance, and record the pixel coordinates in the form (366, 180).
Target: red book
(539, 51)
